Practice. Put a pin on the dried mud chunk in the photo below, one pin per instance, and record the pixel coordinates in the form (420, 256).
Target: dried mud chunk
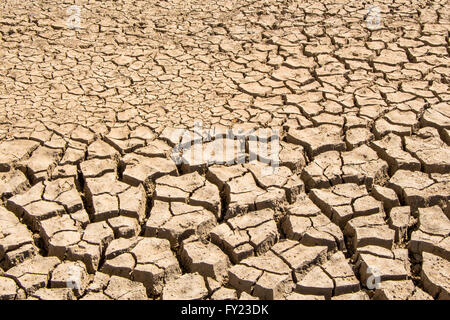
(16, 241)
(54, 294)
(246, 235)
(344, 279)
(212, 284)
(8, 289)
(141, 169)
(206, 259)
(299, 296)
(296, 255)
(435, 276)
(58, 233)
(316, 282)
(99, 282)
(285, 73)
(39, 211)
(190, 286)
(303, 207)
(224, 294)
(400, 220)
(172, 135)
(361, 295)
(433, 233)
(146, 260)
(220, 175)
(98, 233)
(189, 188)
(132, 203)
(266, 275)
(385, 195)
(355, 137)
(394, 290)
(383, 127)
(400, 117)
(418, 189)
(105, 206)
(97, 167)
(272, 198)
(437, 116)
(64, 192)
(276, 176)
(377, 251)
(324, 171)
(432, 152)
(376, 267)
(124, 289)
(244, 195)
(344, 202)
(159, 215)
(208, 197)
(42, 162)
(88, 253)
(13, 151)
(391, 150)
(292, 156)
(83, 135)
(370, 230)
(391, 57)
(305, 223)
(362, 165)
(33, 274)
(124, 227)
(255, 89)
(108, 182)
(178, 222)
(366, 205)
(143, 132)
(101, 150)
(340, 195)
(71, 275)
(121, 265)
(197, 156)
(126, 145)
(169, 188)
(73, 156)
(95, 239)
(319, 139)
(11, 183)
(65, 171)
(17, 256)
(272, 286)
(155, 148)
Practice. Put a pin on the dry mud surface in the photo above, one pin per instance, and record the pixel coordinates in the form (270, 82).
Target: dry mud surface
(93, 206)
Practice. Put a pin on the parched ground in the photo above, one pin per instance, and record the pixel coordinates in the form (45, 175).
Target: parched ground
(93, 206)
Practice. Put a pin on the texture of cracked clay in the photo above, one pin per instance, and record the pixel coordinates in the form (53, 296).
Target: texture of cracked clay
(97, 200)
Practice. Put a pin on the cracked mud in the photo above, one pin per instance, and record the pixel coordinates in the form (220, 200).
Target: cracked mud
(94, 205)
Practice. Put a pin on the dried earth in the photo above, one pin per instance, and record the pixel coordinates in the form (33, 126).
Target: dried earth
(93, 204)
